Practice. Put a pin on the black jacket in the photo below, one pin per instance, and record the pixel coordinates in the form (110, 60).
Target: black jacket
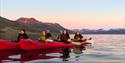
(22, 36)
(48, 35)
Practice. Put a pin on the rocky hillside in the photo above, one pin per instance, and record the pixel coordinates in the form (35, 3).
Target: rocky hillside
(9, 28)
(38, 25)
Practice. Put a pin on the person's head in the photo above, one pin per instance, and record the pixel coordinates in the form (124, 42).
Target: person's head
(61, 32)
(65, 32)
(22, 31)
(47, 31)
(43, 33)
(78, 33)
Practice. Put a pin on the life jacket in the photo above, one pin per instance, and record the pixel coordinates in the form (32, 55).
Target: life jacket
(22, 36)
(48, 36)
(59, 37)
(65, 38)
(42, 38)
(78, 37)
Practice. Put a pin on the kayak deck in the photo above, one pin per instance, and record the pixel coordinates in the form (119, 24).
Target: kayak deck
(7, 45)
(35, 45)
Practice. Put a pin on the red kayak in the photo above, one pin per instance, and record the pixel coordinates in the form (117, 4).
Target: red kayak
(7, 45)
(34, 45)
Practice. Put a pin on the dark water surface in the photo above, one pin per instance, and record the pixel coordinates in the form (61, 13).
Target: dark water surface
(107, 49)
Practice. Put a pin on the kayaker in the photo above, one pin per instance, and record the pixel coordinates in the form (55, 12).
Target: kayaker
(78, 49)
(65, 38)
(48, 34)
(22, 35)
(42, 37)
(78, 37)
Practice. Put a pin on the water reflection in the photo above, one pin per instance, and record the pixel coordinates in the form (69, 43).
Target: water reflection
(22, 56)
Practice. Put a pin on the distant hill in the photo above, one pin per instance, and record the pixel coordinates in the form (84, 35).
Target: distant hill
(38, 25)
(4, 23)
(10, 28)
(101, 31)
(30, 24)
(28, 20)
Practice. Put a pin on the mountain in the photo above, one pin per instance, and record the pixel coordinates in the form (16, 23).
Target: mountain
(28, 20)
(9, 29)
(30, 24)
(6, 23)
(39, 26)
(101, 31)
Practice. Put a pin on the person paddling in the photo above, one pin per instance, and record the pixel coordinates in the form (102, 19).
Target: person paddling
(78, 49)
(78, 37)
(48, 36)
(22, 35)
(42, 37)
(65, 38)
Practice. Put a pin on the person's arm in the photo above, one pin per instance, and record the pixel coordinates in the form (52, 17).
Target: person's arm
(18, 38)
(26, 36)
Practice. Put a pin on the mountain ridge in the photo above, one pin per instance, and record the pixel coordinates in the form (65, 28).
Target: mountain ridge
(101, 31)
(31, 23)
(9, 29)
(28, 20)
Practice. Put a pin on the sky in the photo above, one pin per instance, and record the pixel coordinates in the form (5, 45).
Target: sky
(71, 14)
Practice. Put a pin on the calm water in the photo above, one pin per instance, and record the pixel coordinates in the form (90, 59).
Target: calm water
(107, 49)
